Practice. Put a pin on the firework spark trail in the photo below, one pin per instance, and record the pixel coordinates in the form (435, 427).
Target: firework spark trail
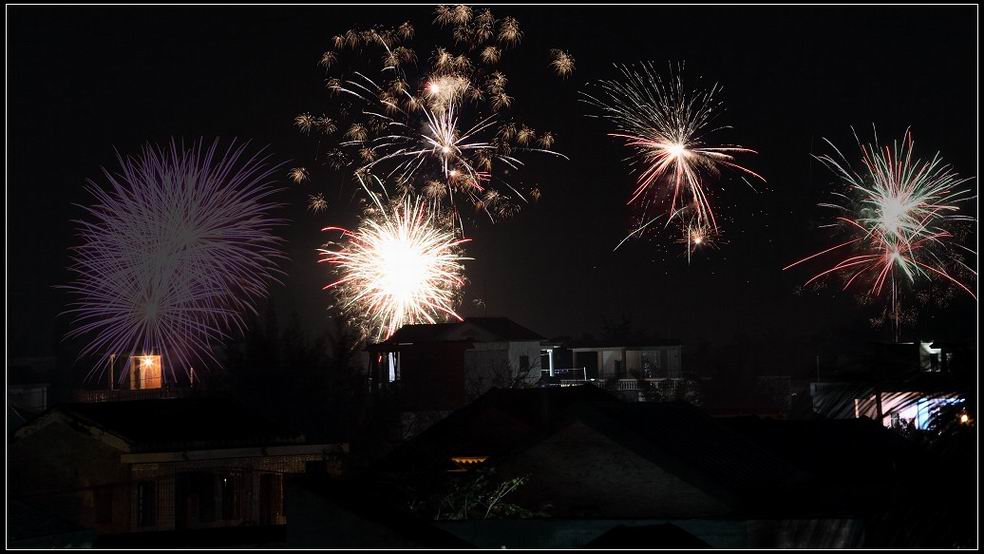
(400, 266)
(666, 126)
(176, 251)
(895, 215)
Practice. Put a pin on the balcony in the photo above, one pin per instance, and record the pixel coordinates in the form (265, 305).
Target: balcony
(118, 395)
(627, 384)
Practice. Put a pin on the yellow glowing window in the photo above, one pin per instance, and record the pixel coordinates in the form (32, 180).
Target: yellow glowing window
(145, 372)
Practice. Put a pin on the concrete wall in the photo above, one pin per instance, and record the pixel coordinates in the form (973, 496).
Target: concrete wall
(498, 364)
(432, 378)
(247, 472)
(663, 361)
(29, 397)
(64, 470)
(72, 472)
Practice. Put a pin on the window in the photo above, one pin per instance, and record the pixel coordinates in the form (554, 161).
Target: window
(145, 372)
(524, 364)
(103, 497)
(271, 498)
(461, 464)
(230, 497)
(146, 502)
(393, 364)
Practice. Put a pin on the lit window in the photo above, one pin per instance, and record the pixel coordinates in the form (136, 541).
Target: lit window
(464, 463)
(145, 372)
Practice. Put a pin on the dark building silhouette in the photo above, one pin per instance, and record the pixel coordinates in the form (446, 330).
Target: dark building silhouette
(592, 463)
(159, 465)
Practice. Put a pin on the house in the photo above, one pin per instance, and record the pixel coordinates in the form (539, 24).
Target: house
(592, 463)
(491, 426)
(661, 460)
(650, 360)
(636, 372)
(138, 377)
(159, 465)
(902, 385)
(28, 382)
(437, 368)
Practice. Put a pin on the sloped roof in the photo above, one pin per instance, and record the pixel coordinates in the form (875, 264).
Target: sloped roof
(687, 442)
(627, 344)
(492, 425)
(472, 329)
(180, 423)
(675, 436)
(858, 456)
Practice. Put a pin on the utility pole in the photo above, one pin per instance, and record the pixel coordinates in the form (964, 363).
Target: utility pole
(896, 328)
(110, 373)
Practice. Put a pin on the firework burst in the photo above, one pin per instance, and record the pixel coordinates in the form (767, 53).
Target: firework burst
(562, 63)
(400, 266)
(317, 202)
(409, 121)
(176, 251)
(667, 126)
(298, 174)
(896, 215)
(695, 236)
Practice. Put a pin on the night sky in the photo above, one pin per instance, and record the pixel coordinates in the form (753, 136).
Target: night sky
(85, 81)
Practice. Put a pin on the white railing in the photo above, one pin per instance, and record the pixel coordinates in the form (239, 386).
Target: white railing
(114, 395)
(624, 384)
(569, 373)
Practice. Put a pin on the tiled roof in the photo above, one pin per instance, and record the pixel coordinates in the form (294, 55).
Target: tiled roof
(160, 425)
(472, 329)
(687, 442)
(492, 425)
(675, 436)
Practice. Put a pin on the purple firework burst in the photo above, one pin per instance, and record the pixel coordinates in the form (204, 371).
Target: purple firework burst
(178, 248)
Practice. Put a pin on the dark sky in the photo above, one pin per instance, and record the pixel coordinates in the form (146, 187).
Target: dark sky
(84, 81)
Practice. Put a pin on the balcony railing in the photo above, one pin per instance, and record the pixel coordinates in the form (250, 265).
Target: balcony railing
(115, 395)
(574, 373)
(626, 384)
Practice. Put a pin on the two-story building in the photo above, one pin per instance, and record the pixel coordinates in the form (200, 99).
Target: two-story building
(916, 385)
(436, 368)
(621, 361)
(159, 465)
(444, 366)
